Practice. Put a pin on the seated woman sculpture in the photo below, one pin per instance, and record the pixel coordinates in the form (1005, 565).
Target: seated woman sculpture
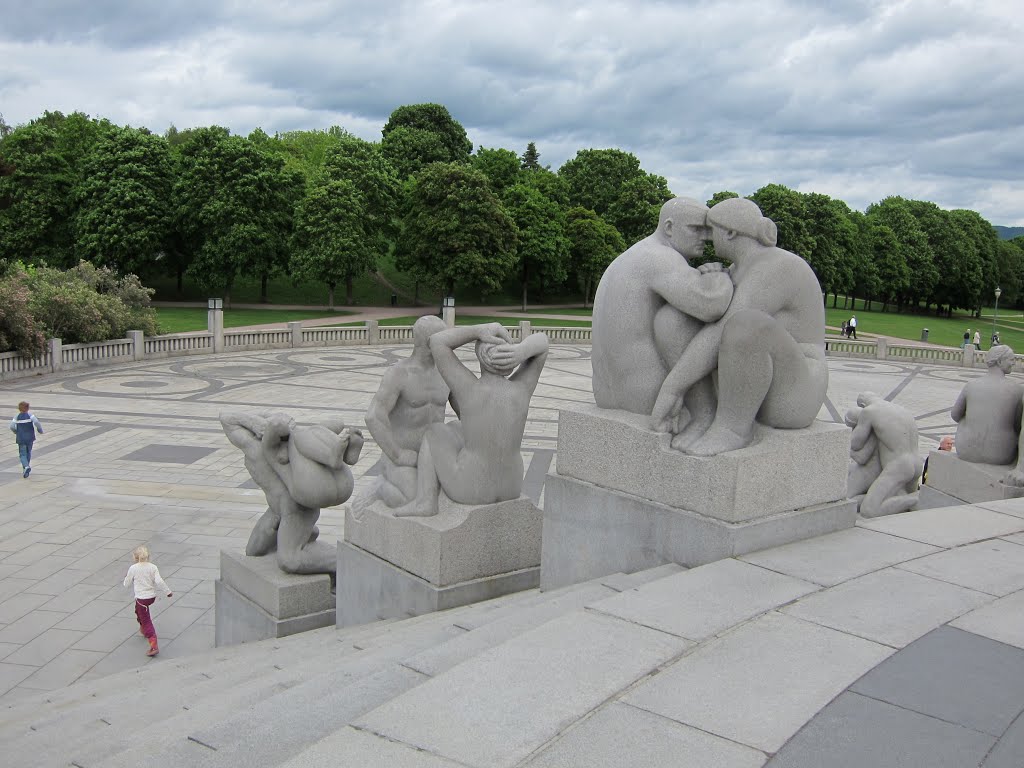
(988, 411)
(768, 348)
(477, 459)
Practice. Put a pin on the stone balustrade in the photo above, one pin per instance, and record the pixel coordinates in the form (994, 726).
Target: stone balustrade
(137, 347)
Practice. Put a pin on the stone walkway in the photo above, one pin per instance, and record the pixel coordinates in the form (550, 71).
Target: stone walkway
(136, 455)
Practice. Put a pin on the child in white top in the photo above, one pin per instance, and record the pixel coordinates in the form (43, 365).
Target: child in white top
(144, 576)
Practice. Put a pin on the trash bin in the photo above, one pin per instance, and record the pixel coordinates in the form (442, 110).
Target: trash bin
(924, 334)
(394, 299)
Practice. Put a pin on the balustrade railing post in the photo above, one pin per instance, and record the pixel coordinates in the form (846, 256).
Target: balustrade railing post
(296, 328)
(138, 344)
(968, 361)
(881, 348)
(524, 329)
(56, 354)
(372, 332)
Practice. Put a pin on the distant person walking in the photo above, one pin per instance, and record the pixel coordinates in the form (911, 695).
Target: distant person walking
(977, 339)
(24, 426)
(852, 327)
(144, 576)
(967, 338)
(845, 328)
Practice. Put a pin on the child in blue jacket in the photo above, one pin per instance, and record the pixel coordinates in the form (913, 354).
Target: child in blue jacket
(24, 426)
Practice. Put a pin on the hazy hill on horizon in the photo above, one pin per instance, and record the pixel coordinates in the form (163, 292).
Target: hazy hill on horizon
(1008, 233)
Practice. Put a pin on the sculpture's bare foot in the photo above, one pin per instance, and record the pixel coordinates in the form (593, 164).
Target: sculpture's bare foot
(693, 432)
(1016, 478)
(718, 440)
(415, 509)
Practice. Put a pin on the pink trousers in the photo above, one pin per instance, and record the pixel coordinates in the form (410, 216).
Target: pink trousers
(142, 614)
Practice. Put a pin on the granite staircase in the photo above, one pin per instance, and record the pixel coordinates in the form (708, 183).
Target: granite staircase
(266, 703)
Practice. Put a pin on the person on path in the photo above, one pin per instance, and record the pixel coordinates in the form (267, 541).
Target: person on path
(977, 339)
(24, 426)
(967, 338)
(852, 327)
(144, 576)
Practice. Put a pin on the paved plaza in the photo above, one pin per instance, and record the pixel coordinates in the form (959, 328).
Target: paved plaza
(135, 455)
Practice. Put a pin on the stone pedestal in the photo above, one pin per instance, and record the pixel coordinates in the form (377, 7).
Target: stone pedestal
(621, 499)
(968, 481)
(394, 567)
(256, 600)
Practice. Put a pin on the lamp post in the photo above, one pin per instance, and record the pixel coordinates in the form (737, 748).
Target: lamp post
(995, 317)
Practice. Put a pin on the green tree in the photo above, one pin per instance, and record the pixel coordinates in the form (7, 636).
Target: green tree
(418, 134)
(542, 247)
(833, 234)
(986, 241)
(234, 208)
(455, 231)
(593, 245)
(330, 243)
(500, 166)
(548, 183)
(595, 177)
(786, 207)
(912, 244)
(530, 160)
(34, 197)
(890, 264)
(409, 150)
(122, 201)
(636, 209)
(347, 220)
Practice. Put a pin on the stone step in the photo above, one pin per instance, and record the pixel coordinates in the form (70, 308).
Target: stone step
(273, 729)
(218, 692)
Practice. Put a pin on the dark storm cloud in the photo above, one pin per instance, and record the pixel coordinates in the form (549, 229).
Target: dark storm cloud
(859, 100)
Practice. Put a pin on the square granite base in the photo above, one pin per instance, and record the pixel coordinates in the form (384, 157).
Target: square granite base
(968, 481)
(256, 600)
(370, 589)
(590, 531)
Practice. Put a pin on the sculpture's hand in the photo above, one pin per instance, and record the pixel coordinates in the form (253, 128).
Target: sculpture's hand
(711, 266)
(407, 457)
(506, 355)
(667, 423)
(494, 333)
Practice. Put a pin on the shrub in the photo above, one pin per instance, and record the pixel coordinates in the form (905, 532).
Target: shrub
(19, 331)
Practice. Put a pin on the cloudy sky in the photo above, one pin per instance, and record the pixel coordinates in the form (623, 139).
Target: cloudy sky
(858, 100)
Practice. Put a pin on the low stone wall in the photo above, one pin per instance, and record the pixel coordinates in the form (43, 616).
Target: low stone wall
(137, 347)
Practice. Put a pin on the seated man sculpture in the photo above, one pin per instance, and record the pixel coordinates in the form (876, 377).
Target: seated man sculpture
(477, 459)
(988, 412)
(768, 348)
(886, 465)
(411, 397)
(649, 304)
(300, 470)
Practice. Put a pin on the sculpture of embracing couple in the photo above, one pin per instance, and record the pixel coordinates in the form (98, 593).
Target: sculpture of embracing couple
(708, 352)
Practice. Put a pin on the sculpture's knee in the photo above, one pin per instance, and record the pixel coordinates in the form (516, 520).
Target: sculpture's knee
(290, 561)
(744, 330)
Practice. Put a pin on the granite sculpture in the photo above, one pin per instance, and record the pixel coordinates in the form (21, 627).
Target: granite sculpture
(411, 398)
(988, 413)
(885, 465)
(300, 469)
(476, 459)
(648, 306)
(768, 348)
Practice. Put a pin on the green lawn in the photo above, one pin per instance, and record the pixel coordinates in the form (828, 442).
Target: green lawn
(941, 330)
(181, 319)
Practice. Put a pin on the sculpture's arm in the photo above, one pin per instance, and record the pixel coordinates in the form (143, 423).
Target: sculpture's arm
(704, 296)
(531, 354)
(243, 430)
(378, 418)
(861, 432)
(959, 409)
(444, 343)
(699, 359)
(863, 455)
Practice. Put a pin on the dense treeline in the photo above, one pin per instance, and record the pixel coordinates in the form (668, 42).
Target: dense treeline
(327, 206)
